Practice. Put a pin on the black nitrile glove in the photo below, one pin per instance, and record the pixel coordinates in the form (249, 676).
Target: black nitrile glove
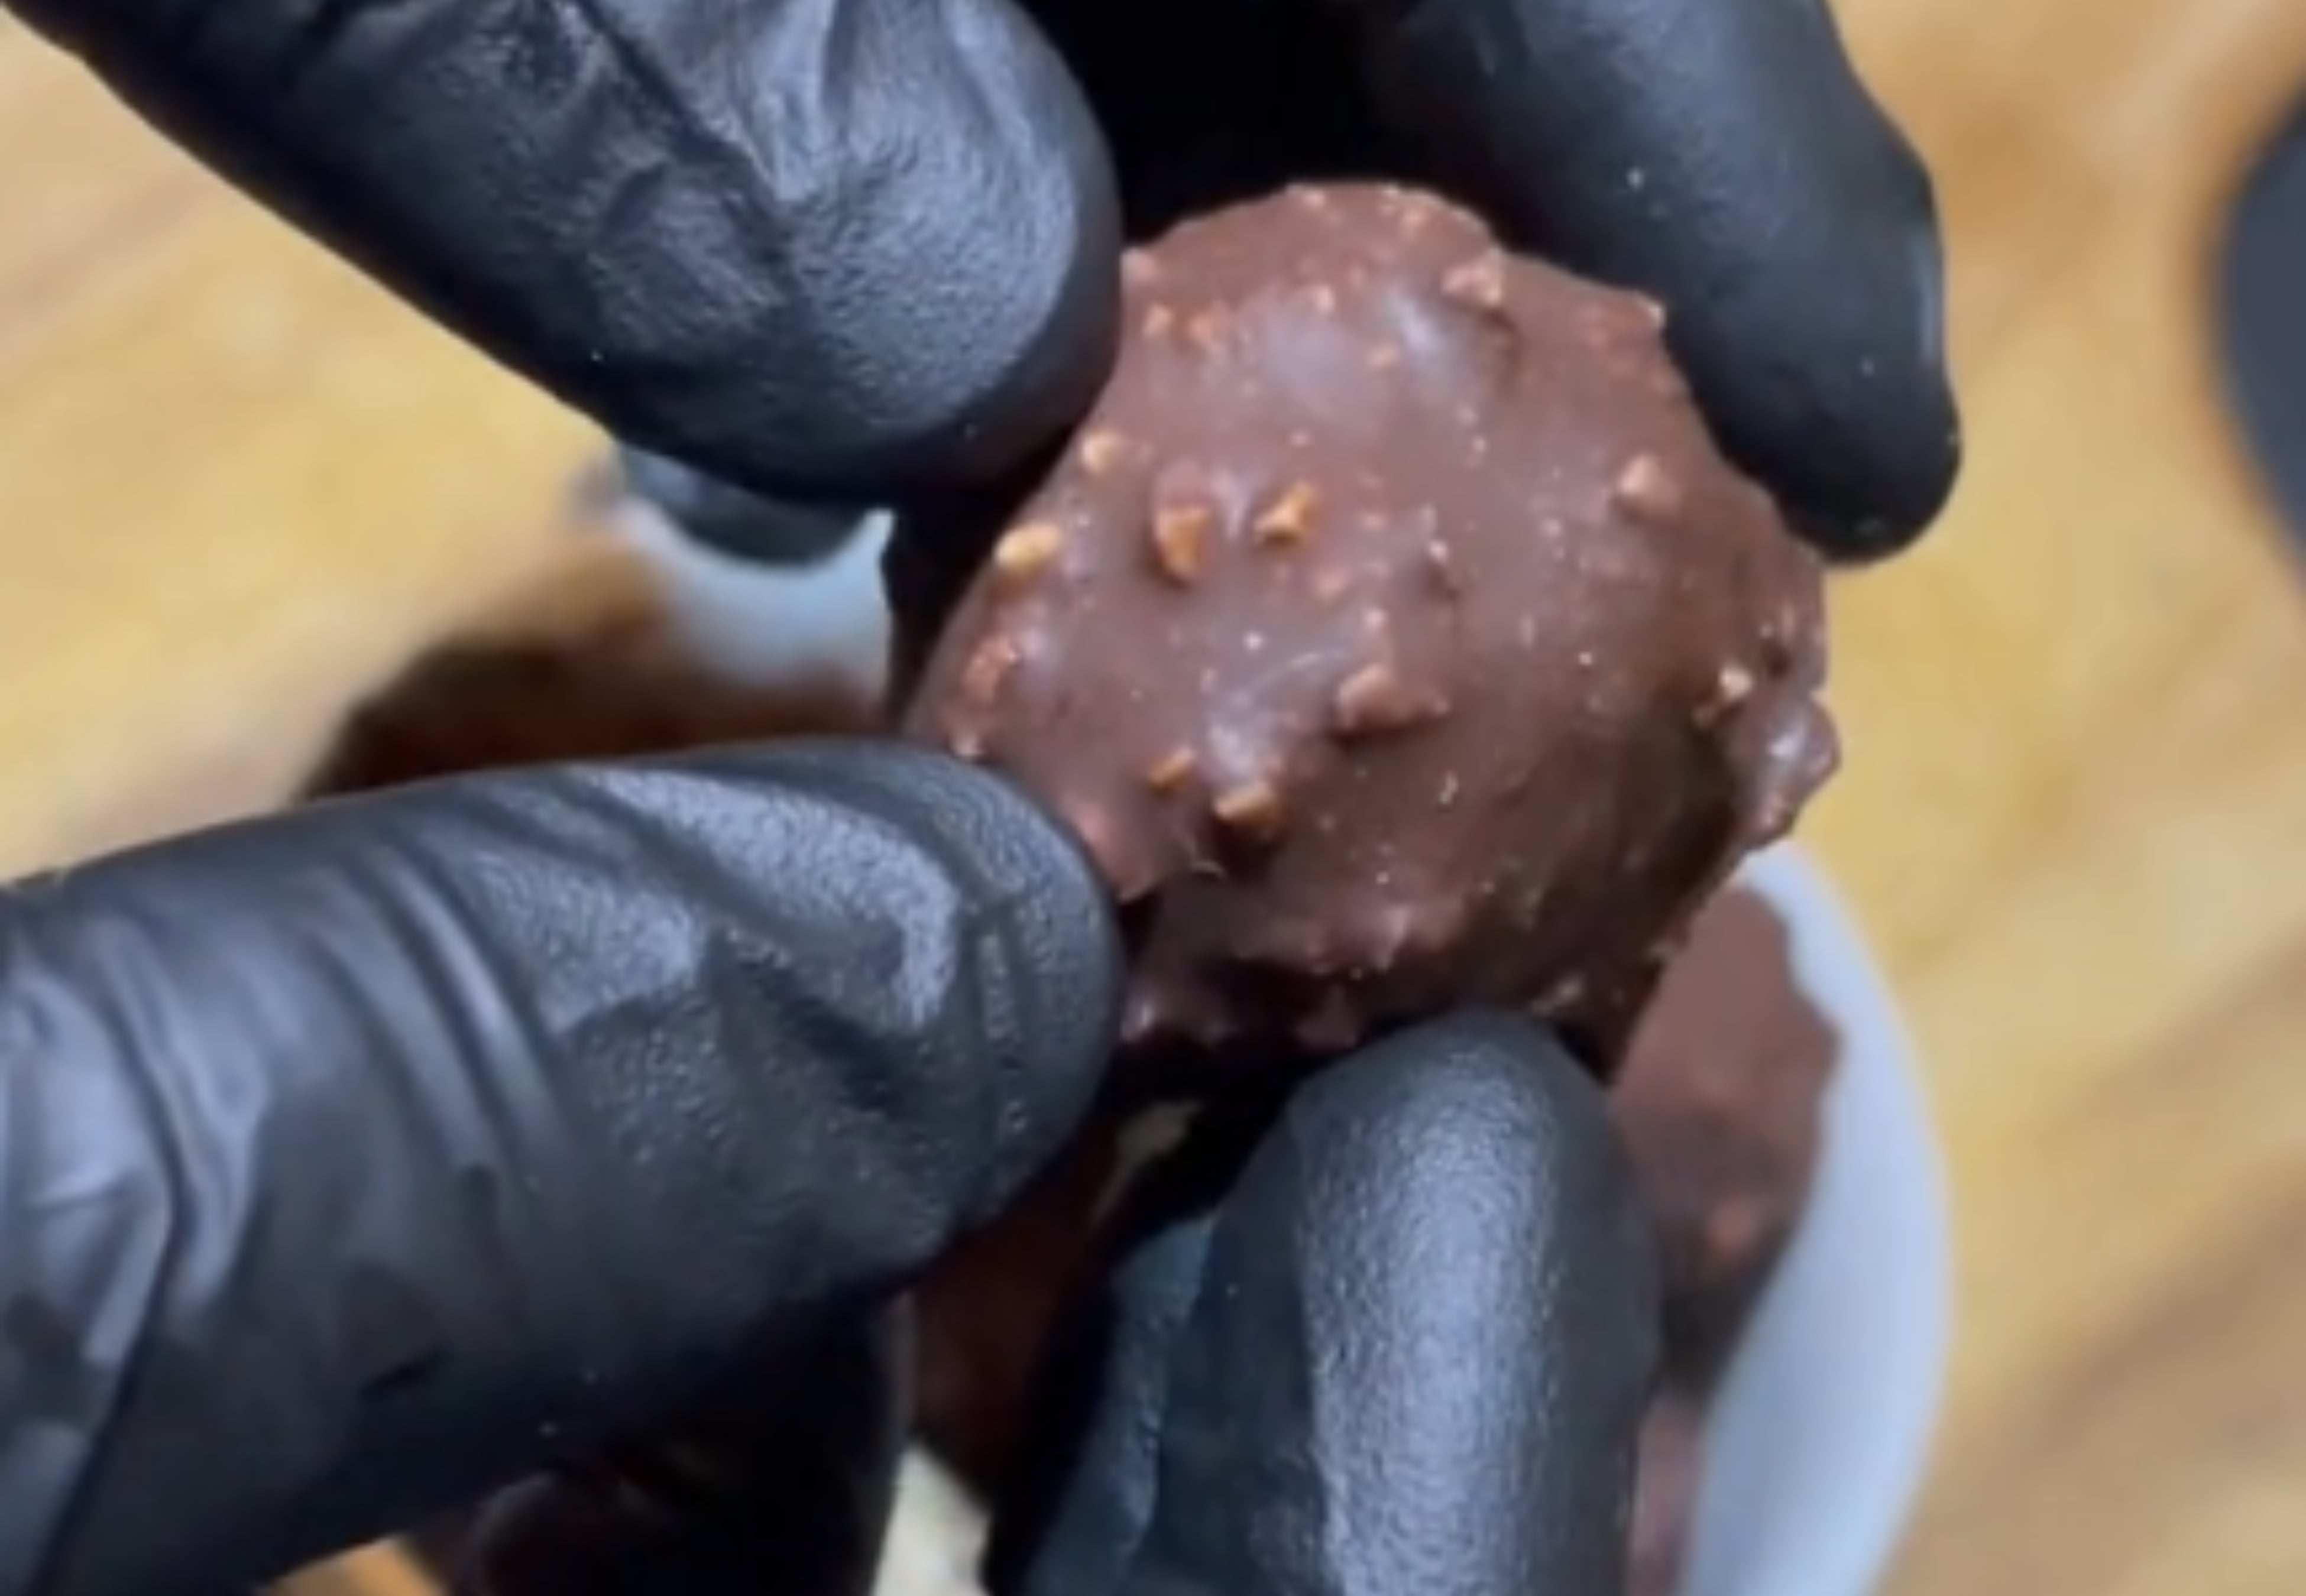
(353, 1163)
(865, 249)
(356, 1162)
(1408, 1349)
(1398, 1338)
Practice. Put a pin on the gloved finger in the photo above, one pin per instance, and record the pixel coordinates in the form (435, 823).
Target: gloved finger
(1408, 1349)
(368, 1158)
(778, 1479)
(816, 245)
(1723, 155)
(723, 517)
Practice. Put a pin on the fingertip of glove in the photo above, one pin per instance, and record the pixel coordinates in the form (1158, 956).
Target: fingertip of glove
(1045, 969)
(1480, 1077)
(1727, 159)
(1824, 359)
(1489, 1104)
(957, 294)
(1846, 409)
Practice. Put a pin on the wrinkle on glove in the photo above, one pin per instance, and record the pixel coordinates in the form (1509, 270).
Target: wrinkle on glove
(453, 1130)
(824, 247)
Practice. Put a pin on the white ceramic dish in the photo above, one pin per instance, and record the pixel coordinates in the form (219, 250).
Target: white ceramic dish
(1820, 1435)
(772, 625)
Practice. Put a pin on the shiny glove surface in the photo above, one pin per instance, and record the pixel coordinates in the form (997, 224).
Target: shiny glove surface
(1407, 1347)
(1396, 1335)
(358, 1162)
(866, 249)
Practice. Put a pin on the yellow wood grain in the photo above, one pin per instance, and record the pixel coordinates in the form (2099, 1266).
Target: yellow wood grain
(236, 485)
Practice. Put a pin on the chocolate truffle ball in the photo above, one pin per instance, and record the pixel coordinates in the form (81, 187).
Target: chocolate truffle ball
(1721, 1103)
(1393, 634)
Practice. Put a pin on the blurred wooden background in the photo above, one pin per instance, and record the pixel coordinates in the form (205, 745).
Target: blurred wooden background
(236, 485)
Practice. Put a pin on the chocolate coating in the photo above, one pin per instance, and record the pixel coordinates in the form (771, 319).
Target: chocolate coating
(1720, 1102)
(1393, 634)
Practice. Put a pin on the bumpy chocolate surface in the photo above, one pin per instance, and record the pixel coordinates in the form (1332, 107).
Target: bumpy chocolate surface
(1392, 634)
(1721, 1103)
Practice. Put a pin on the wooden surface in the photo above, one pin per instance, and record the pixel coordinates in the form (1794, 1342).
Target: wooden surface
(235, 485)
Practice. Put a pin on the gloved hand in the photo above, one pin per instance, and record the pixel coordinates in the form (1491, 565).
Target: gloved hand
(1408, 1348)
(865, 249)
(356, 1163)
(360, 1161)
(1400, 1338)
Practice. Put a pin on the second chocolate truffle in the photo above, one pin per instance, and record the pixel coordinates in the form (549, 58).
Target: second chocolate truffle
(1393, 634)
(1721, 1102)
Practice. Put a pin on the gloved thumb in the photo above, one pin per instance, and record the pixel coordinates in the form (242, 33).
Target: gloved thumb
(1406, 1348)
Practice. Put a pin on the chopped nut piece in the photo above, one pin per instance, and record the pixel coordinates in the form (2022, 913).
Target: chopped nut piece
(1289, 519)
(1172, 771)
(1480, 283)
(1411, 213)
(1102, 450)
(988, 668)
(1026, 552)
(1252, 809)
(1646, 490)
(1374, 699)
(1180, 540)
